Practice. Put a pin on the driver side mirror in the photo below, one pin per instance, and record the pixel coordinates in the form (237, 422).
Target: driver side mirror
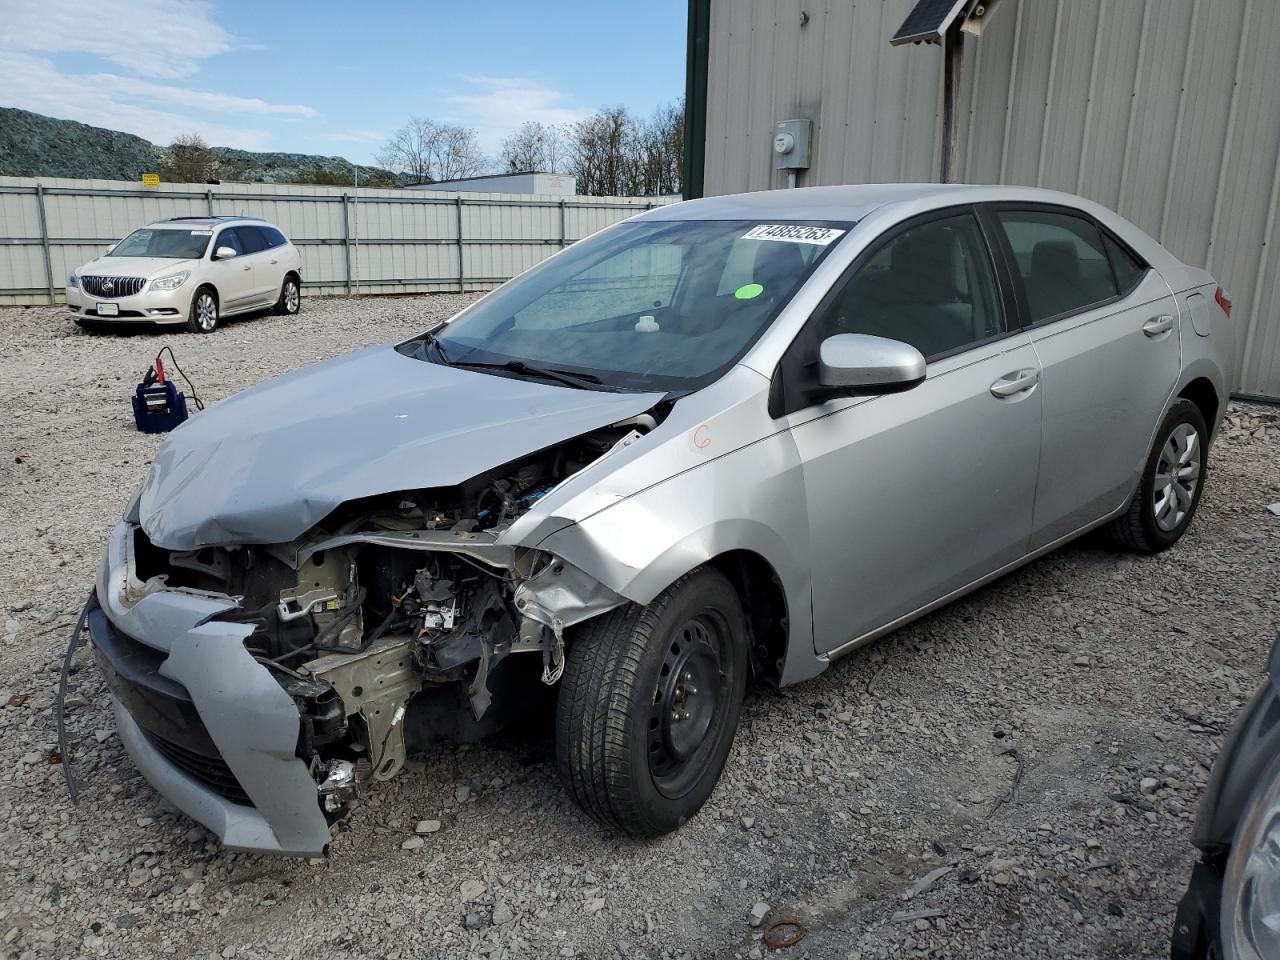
(223, 253)
(110, 248)
(858, 364)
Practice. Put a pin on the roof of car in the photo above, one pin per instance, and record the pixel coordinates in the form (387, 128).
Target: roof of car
(203, 221)
(844, 203)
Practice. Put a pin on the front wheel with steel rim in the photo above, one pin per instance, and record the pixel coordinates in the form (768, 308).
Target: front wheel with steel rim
(649, 704)
(204, 312)
(290, 301)
(1172, 481)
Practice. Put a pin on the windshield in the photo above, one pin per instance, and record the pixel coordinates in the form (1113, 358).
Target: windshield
(659, 305)
(171, 244)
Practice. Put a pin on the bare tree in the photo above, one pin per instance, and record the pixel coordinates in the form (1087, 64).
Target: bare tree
(613, 153)
(533, 146)
(189, 160)
(428, 151)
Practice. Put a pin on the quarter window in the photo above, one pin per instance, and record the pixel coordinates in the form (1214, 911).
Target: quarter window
(931, 286)
(1128, 268)
(1062, 259)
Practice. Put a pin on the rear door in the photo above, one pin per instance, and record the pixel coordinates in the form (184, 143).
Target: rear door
(1104, 327)
(263, 287)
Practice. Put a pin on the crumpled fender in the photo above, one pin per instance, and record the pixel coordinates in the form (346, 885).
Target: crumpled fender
(641, 545)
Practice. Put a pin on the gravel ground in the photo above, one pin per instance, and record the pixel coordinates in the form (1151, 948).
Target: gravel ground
(1044, 741)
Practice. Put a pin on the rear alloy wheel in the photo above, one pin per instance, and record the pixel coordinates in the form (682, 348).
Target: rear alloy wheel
(204, 312)
(290, 301)
(1172, 481)
(649, 704)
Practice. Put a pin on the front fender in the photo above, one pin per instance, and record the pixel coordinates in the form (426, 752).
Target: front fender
(752, 499)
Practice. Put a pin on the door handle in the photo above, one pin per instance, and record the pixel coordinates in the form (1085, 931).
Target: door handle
(247, 267)
(1158, 325)
(1016, 382)
(274, 260)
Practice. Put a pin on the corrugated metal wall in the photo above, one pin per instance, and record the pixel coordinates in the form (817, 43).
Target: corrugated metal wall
(408, 241)
(1167, 111)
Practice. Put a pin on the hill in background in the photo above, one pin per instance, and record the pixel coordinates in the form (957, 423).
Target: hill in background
(33, 145)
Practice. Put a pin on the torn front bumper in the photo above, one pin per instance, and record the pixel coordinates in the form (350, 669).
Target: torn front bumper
(207, 725)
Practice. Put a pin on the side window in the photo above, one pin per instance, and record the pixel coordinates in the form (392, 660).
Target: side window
(273, 236)
(1063, 262)
(229, 238)
(931, 286)
(251, 239)
(1128, 268)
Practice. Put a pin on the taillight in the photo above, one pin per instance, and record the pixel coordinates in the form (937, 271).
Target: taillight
(1223, 301)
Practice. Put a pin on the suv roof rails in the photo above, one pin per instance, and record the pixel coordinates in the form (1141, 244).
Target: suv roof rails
(219, 217)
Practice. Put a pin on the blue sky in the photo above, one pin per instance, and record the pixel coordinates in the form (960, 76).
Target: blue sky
(335, 78)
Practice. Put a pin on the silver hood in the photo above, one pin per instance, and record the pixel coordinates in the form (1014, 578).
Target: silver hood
(266, 465)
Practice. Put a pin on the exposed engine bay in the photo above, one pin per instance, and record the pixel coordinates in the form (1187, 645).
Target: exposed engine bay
(401, 620)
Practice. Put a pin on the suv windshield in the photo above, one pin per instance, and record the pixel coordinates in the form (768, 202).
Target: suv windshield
(171, 244)
(659, 305)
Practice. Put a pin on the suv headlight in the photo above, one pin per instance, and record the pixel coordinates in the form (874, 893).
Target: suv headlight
(73, 280)
(1251, 888)
(171, 282)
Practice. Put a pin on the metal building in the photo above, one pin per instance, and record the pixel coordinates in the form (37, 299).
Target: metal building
(1167, 111)
(535, 182)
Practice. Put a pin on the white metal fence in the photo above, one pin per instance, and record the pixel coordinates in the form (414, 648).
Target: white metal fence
(376, 241)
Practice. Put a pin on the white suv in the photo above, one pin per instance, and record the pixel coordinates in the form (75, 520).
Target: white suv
(192, 270)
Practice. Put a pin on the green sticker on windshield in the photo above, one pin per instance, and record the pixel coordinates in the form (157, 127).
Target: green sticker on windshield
(748, 291)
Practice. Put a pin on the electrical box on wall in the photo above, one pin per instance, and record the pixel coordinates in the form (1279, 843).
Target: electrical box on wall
(791, 142)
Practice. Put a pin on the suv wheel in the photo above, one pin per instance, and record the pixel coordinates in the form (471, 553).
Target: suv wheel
(649, 704)
(204, 312)
(1172, 482)
(290, 301)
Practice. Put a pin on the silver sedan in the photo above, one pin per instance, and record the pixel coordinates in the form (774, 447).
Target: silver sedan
(730, 438)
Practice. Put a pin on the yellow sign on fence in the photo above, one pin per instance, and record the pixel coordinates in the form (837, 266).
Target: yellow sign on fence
(151, 179)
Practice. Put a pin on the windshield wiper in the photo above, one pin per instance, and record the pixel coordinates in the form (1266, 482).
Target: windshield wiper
(569, 378)
(433, 340)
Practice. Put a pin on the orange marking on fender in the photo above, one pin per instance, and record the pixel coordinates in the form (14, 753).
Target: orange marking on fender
(700, 438)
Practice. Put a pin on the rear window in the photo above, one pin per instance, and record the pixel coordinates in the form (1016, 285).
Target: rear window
(251, 239)
(1064, 265)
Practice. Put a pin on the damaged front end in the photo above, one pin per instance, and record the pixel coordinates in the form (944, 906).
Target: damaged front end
(261, 686)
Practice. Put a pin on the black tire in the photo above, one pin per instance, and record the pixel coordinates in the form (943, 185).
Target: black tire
(198, 320)
(623, 765)
(1197, 924)
(290, 301)
(1138, 529)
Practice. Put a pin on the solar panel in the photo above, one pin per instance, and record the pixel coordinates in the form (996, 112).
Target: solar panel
(929, 20)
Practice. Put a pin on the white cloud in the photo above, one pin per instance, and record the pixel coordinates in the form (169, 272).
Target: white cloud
(158, 44)
(500, 104)
(154, 38)
(357, 136)
(104, 100)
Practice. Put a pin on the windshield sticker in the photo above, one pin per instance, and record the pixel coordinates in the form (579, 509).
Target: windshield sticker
(202, 233)
(748, 291)
(793, 233)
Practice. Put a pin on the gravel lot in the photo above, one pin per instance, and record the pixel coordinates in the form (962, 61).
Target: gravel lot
(1007, 738)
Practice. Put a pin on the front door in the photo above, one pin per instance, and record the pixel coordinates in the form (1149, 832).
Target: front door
(232, 277)
(1105, 330)
(915, 495)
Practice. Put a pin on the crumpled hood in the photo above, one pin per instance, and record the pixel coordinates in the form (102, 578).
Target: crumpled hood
(266, 465)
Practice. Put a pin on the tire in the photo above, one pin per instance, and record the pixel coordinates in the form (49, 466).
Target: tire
(1197, 924)
(290, 301)
(639, 748)
(203, 316)
(1153, 522)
